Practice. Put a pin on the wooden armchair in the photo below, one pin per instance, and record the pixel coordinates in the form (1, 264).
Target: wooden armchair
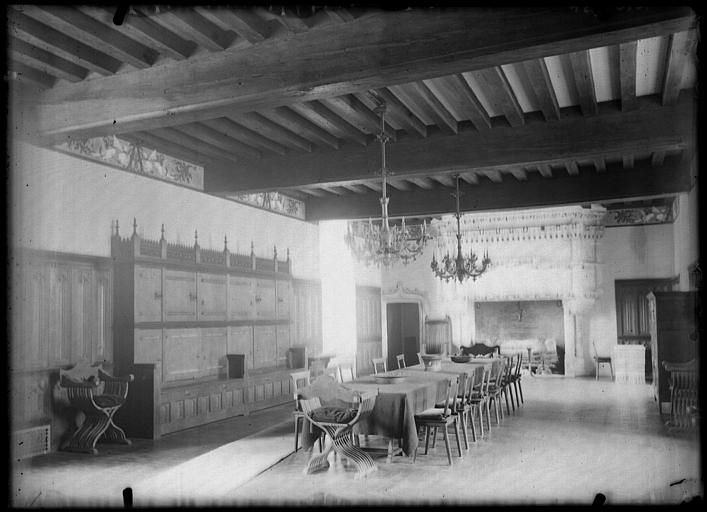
(338, 423)
(98, 395)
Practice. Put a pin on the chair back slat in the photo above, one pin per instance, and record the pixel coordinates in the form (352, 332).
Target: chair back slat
(379, 365)
(346, 371)
(400, 359)
(451, 392)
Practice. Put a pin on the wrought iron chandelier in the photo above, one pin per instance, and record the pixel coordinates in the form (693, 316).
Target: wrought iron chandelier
(461, 267)
(383, 244)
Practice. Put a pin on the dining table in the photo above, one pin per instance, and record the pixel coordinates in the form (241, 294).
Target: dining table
(393, 415)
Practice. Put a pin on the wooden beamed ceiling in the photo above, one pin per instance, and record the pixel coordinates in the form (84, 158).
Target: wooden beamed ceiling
(568, 107)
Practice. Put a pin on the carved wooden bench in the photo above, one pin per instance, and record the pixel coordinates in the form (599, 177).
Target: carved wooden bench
(98, 395)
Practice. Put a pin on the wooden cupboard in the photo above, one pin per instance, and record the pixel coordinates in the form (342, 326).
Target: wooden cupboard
(179, 311)
(673, 329)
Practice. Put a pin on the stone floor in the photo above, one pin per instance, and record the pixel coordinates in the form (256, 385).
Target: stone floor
(571, 439)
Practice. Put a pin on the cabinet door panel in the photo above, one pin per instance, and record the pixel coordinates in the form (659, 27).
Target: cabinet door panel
(181, 354)
(240, 341)
(241, 295)
(265, 305)
(211, 291)
(148, 294)
(283, 343)
(212, 357)
(284, 293)
(179, 295)
(264, 346)
(148, 346)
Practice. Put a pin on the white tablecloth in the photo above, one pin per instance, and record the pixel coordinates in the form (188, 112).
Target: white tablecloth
(629, 363)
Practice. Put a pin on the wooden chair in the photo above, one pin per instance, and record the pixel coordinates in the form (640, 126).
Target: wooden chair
(333, 372)
(338, 423)
(515, 379)
(379, 365)
(599, 360)
(419, 359)
(461, 406)
(300, 380)
(507, 383)
(479, 399)
(98, 395)
(346, 372)
(684, 394)
(400, 358)
(495, 388)
(440, 417)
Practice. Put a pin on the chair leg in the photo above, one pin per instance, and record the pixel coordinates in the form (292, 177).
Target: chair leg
(488, 414)
(496, 408)
(446, 445)
(611, 367)
(462, 417)
(434, 437)
(515, 388)
(456, 432)
(520, 386)
(297, 420)
(596, 371)
(471, 424)
(427, 438)
(505, 395)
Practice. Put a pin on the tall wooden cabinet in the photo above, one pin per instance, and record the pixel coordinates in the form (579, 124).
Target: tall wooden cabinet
(178, 312)
(673, 330)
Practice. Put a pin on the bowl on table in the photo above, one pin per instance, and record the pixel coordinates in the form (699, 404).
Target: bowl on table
(432, 362)
(462, 358)
(388, 379)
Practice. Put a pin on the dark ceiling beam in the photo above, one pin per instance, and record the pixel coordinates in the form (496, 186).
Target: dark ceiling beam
(273, 131)
(400, 47)
(329, 121)
(458, 97)
(643, 180)
(294, 122)
(245, 23)
(650, 127)
(681, 44)
(440, 114)
(627, 74)
(495, 85)
(584, 80)
(398, 112)
(23, 73)
(537, 76)
(45, 61)
(194, 27)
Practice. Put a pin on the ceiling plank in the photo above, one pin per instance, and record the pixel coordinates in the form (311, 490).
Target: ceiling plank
(194, 27)
(53, 41)
(458, 97)
(398, 112)
(316, 192)
(320, 115)
(650, 127)
(470, 178)
(151, 141)
(273, 131)
(657, 158)
(376, 187)
(572, 168)
(298, 124)
(216, 138)
(179, 137)
(94, 34)
(410, 46)
(45, 61)
(519, 173)
(584, 80)
(539, 80)
(642, 181)
(357, 113)
(25, 73)
(627, 74)
(498, 91)
(440, 114)
(628, 161)
(423, 183)
(412, 102)
(358, 189)
(545, 170)
(494, 175)
(680, 46)
(447, 181)
(290, 21)
(599, 164)
(399, 184)
(251, 138)
(245, 23)
(147, 32)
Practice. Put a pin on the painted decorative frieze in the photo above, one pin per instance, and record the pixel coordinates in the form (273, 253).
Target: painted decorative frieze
(274, 202)
(637, 216)
(135, 158)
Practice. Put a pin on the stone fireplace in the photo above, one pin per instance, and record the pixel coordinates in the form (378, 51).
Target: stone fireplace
(545, 256)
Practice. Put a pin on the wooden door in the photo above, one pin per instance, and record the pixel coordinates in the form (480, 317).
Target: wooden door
(241, 298)
(180, 297)
(148, 294)
(369, 337)
(265, 299)
(284, 299)
(212, 296)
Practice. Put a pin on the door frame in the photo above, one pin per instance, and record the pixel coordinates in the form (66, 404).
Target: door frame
(384, 319)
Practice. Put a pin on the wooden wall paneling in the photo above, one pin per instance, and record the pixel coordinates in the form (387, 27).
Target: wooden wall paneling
(240, 341)
(284, 299)
(283, 344)
(307, 316)
(179, 295)
(59, 314)
(212, 296)
(241, 294)
(103, 332)
(82, 306)
(181, 354)
(148, 294)
(369, 338)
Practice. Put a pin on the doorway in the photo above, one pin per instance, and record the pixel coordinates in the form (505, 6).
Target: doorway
(403, 326)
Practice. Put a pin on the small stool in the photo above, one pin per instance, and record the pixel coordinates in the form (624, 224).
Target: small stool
(603, 360)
